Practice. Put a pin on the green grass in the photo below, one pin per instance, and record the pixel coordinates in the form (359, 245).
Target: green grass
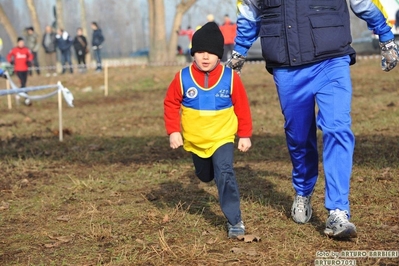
(114, 193)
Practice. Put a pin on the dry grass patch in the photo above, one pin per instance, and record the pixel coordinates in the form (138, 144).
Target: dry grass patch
(114, 193)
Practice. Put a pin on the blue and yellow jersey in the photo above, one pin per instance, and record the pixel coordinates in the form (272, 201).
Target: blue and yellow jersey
(209, 108)
(208, 119)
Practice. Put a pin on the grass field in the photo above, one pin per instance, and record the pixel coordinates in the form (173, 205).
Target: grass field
(114, 193)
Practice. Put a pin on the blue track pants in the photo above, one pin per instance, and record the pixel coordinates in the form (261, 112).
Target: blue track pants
(328, 85)
(219, 167)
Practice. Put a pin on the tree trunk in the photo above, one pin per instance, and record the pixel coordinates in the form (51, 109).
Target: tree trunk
(162, 51)
(12, 33)
(158, 45)
(36, 26)
(83, 22)
(60, 14)
(151, 22)
(181, 9)
(35, 18)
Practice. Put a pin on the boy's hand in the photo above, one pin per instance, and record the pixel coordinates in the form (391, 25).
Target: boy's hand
(244, 144)
(175, 140)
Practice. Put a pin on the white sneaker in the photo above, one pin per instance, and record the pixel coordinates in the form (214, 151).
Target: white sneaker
(301, 210)
(338, 225)
(233, 231)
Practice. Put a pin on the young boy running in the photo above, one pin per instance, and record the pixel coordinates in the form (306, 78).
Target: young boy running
(214, 107)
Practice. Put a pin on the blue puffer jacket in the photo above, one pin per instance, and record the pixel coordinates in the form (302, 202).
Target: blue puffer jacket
(294, 34)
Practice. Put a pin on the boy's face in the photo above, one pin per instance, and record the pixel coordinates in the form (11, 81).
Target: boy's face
(21, 44)
(206, 61)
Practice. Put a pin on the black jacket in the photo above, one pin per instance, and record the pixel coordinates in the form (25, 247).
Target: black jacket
(293, 35)
(98, 38)
(80, 43)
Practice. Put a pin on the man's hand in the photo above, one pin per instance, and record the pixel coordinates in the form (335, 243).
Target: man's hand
(244, 144)
(389, 55)
(175, 140)
(236, 62)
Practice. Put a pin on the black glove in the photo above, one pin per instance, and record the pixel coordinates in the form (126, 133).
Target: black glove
(29, 63)
(12, 62)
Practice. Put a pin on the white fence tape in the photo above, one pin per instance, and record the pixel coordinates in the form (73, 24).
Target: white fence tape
(60, 90)
(68, 97)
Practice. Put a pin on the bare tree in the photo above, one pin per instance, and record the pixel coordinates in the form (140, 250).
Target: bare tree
(12, 33)
(83, 22)
(156, 13)
(34, 17)
(35, 24)
(60, 16)
(160, 49)
(181, 9)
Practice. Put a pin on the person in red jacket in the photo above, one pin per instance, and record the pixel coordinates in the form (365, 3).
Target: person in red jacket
(21, 57)
(214, 108)
(228, 29)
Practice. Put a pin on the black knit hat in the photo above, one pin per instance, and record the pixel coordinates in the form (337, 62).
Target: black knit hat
(209, 39)
(20, 39)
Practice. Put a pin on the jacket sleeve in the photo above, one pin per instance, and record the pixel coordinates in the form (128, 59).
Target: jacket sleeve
(374, 14)
(30, 56)
(248, 25)
(10, 56)
(241, 108)
(172, 105)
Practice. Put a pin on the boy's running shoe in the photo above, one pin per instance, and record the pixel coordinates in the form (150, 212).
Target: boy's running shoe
(301, 210)
(233, 231)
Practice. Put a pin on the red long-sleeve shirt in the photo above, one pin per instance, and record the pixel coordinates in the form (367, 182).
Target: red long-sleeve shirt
(20, 56)
(173, 100)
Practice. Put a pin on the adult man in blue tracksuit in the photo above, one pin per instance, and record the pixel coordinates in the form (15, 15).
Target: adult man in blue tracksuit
(307, 48)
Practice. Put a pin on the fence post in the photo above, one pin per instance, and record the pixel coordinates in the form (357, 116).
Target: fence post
(60, 113)
(9, 95)
(105, 78)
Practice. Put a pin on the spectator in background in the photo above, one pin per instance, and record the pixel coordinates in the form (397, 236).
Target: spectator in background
(21, 57)
(228, 30)
(32, 42)
(49, 45)
(80, 45)
(64, 43)
(211, 18)
(189, 32)
(96, 42)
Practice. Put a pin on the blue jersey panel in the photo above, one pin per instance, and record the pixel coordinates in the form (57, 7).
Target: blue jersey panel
(217, 97)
